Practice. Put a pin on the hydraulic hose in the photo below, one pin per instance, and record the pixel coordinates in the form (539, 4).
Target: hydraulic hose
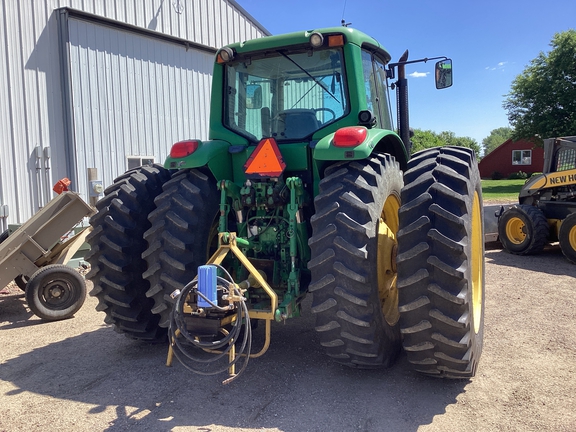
(184, 342)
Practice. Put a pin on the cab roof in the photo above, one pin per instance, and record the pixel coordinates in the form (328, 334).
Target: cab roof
(351, 35)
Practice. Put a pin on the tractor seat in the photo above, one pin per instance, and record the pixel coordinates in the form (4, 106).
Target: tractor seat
(296, 123)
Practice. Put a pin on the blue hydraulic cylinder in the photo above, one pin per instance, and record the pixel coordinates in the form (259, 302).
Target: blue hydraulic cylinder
(207, 285)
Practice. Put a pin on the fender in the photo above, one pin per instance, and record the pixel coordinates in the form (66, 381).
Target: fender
(380, 140)
(213, 154)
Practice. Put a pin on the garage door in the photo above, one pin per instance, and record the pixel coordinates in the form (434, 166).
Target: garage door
(132, 97)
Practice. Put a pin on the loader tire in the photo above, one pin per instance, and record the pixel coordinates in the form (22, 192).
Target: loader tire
(55, 292)
(353, 261)
(567, 237)
(523, 230)
(116, 247)
(178, 237)
(441, 263)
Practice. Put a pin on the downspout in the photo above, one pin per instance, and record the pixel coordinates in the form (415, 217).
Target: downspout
(67, 103)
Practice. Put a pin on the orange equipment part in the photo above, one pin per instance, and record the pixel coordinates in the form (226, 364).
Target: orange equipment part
(61, 185)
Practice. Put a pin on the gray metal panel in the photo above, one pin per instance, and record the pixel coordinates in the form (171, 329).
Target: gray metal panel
(133, 96)
(33, 114)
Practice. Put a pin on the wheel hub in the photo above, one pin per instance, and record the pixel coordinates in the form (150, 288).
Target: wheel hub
(516, 230)
(56, 292)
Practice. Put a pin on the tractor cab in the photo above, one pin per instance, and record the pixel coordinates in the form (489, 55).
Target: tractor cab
(288, 95)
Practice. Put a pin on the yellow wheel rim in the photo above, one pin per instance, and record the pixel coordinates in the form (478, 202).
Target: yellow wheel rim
(386, 259)
(516, 230)
(572, 238)
(477, 259)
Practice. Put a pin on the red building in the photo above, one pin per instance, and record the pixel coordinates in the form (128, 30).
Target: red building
(511, 157)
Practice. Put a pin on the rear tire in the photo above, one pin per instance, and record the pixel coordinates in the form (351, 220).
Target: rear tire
(352, 266)
(116, 247)
(55, 292)
(178, 237)
(21, 281)
(441, 263)
(523, 230)
(567, 237)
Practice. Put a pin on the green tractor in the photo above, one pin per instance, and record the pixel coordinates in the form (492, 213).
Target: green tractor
(303, 188)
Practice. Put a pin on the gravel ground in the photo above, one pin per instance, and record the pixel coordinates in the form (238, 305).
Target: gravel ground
(79, 375)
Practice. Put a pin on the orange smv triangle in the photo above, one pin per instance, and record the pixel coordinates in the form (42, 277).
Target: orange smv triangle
(265, 161)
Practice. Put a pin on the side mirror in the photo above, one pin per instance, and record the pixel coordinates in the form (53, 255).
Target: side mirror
(443, 73)
(253, 96)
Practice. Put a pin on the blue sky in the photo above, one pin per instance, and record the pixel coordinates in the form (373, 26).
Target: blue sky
(490, 43)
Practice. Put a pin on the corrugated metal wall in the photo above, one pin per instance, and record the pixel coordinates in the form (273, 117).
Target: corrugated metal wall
(133, 96)
(33, 120)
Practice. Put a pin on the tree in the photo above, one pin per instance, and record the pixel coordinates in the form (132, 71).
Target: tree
(542, 100)
(497, 136)
(449, 138)
(424, 139)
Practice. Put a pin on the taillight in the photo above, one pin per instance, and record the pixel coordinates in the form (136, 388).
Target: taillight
(183, 148)
(350, 136)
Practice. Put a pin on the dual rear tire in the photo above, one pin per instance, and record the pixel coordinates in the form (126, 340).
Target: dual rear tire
(385, 275)
(149, 236)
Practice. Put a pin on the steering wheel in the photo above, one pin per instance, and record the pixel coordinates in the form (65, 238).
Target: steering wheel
(327, 110)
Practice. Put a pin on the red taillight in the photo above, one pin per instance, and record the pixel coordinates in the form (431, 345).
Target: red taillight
(350, 136)
(183, 148)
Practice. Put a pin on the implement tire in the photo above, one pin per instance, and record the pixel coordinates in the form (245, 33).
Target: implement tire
(567, 237)
(441, 263)
(523, 230)
(116, 247)
(21, 281)
(178, 237)
(55, 292)
(352, 267)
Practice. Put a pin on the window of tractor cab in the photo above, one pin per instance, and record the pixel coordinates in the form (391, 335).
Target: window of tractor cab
(284, 94)
(377, 98)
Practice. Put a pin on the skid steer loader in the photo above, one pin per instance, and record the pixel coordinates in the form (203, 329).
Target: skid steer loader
(304, 187)
(546, 211)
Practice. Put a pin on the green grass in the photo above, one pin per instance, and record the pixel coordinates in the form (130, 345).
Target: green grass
(501, 189)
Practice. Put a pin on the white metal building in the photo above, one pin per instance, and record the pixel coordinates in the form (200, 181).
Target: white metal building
(105, 84)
